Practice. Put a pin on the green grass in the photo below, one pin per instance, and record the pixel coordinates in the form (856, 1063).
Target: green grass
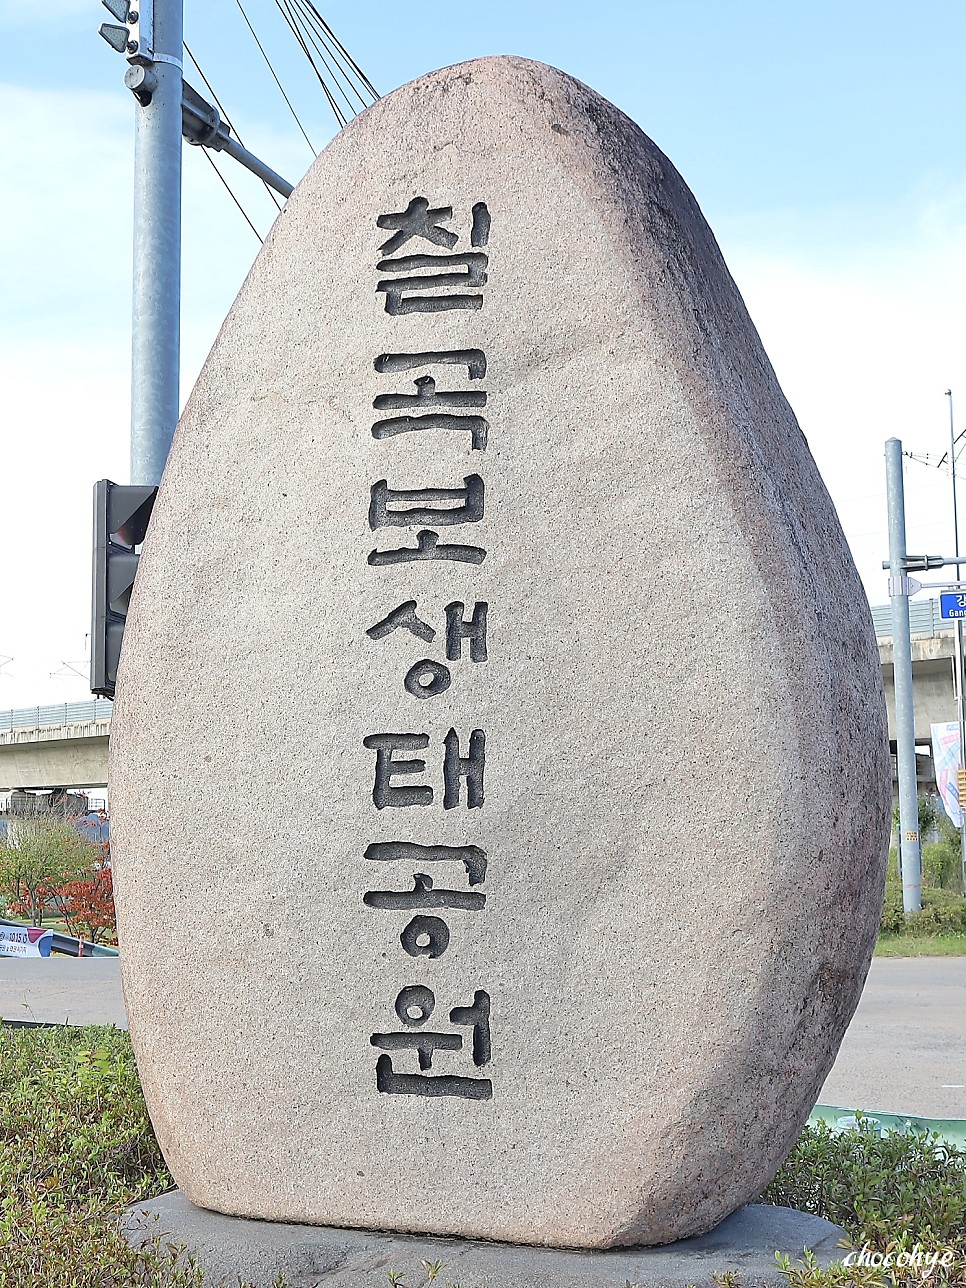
(76, 1148)
(952, 944)
(939, 929)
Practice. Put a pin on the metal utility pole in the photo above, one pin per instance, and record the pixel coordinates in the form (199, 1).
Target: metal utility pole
(156, 340)
(151, 39)
(958, 661)
(149, 34)
(910, 853)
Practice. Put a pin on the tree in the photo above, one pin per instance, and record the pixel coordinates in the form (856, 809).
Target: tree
(87, 905)
(38, 855)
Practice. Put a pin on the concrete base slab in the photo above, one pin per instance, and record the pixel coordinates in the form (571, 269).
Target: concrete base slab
(231, 1248)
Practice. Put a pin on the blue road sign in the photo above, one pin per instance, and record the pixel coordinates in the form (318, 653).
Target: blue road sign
(952, 605)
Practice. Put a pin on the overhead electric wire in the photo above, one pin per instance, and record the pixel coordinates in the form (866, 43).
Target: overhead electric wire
(346, 56)
(282, 6)
(334, 72)
(225, 118)
(348, 68)
(268, 63)
(211, 160)
(313, 18)
(335, 69)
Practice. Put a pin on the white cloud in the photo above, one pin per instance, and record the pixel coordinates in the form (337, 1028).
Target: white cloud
(65, 344)
(865, 346)
(65, 354)
(65, 226)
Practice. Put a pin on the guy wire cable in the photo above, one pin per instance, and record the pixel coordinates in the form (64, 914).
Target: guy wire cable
(225, 118)
(211, 161)
(333, 71)
(347, 57)
(310, 16)
(268, 63)
(282, 6)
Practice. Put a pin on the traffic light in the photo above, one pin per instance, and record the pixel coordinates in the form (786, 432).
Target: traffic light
(121, 516)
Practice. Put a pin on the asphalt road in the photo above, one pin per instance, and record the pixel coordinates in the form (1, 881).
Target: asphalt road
(62, 990)
(904, 1052)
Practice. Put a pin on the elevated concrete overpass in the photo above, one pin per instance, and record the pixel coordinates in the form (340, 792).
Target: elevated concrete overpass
(933, 676)
(42, 748)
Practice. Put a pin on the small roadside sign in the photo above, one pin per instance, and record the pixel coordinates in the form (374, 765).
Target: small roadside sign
(961, 785)
(953, 605)
(25, 941)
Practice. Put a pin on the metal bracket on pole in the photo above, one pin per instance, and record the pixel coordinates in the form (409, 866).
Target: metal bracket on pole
(136, 37)
(142, 29)
(202, 126)
(924, 563)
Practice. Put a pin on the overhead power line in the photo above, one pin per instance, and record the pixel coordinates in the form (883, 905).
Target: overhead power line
(347, 89)
(211, 162)
(296, 30)
(330, 62)
(226, 119)
(337, 69)
(341, 50)
(268, 63)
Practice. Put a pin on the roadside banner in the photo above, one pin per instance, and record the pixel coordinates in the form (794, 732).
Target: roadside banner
(25, 941)
(945, 757)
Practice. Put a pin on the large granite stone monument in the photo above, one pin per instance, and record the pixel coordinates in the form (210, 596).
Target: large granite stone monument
(499, 779)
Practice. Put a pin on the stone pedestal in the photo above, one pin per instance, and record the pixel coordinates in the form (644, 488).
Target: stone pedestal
(229, 1248)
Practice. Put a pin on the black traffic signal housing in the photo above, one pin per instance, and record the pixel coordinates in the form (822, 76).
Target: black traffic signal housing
(121, 516)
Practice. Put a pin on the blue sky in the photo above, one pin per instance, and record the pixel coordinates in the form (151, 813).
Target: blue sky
(823, 142)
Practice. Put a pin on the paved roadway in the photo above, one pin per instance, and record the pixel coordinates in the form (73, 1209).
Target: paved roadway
(62, 990)
(904, 1052)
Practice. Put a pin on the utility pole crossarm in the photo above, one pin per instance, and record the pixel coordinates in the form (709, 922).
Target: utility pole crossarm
(202, 126)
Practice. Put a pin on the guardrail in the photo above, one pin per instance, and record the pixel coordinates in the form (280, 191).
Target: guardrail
(924, 618)
(58, 714)
(68, 945)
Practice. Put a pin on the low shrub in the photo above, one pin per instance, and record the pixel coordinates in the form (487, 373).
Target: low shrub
(893, 918)
(875, 1187)
(76, 1147)
(899, 1198)
(943, 911)
(942, 867)
(943, 907)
